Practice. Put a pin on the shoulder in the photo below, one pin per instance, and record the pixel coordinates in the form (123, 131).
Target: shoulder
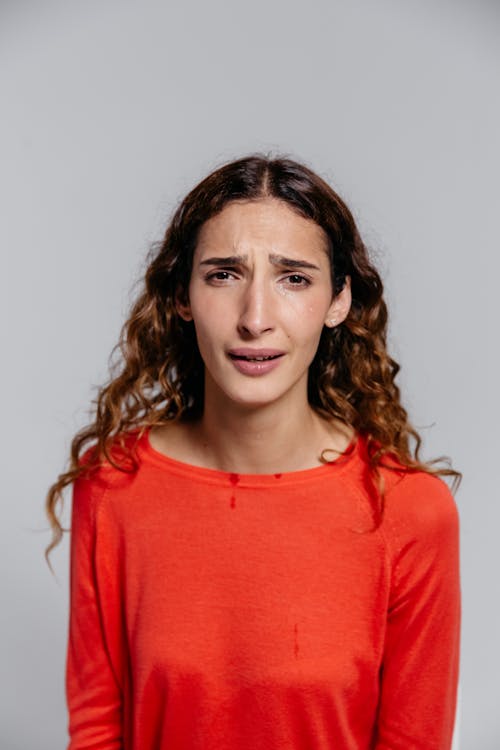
(419, 495)
(101, 473)
(410, 496)
(420, 508)
(119, 459)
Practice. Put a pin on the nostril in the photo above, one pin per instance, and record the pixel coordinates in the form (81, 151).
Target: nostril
(254, 330)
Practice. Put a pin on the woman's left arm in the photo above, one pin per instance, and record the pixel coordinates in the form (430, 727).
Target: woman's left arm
(419, 675)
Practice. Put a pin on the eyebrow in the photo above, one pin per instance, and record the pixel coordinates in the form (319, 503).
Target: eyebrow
(277, 260)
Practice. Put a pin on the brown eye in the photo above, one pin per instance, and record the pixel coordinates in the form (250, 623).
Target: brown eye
(297, 280)
(218, 275)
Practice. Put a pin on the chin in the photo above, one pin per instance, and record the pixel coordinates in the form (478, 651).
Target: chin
(250, 392)
(254, 394)
(253, 401)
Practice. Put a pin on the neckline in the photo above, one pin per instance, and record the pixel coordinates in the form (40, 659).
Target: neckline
(220, 476)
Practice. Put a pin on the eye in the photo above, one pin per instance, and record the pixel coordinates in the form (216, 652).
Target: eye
(296, 279)
(218, 276)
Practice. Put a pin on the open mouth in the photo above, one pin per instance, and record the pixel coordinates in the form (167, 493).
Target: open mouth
(255, 359)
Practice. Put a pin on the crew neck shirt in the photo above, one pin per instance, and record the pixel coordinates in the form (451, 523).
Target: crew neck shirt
(212, 610)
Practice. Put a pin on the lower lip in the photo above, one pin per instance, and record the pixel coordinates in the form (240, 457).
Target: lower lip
(256, 368)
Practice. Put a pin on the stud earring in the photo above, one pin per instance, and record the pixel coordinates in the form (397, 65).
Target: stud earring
(331, 322)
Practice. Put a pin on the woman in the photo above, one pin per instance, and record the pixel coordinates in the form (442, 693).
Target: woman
(258, 557)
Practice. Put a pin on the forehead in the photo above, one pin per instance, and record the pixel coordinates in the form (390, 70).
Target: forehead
(262, 224)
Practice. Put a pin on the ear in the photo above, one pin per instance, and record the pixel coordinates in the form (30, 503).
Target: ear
(182, 305)
(341, 304)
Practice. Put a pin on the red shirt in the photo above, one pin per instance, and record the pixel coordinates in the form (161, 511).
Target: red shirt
(219, 611)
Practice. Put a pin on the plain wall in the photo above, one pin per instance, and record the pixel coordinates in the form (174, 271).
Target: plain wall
(112, 111)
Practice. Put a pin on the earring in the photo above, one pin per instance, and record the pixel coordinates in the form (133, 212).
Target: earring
(331, 322)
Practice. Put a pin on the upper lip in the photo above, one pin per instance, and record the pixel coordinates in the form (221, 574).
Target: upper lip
(246, 351)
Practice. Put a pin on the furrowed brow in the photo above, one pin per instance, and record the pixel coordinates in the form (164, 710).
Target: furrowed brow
(230, 260)
(280, 260)
(277, 260)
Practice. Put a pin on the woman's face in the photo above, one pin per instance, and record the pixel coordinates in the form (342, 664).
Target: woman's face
(260, 286)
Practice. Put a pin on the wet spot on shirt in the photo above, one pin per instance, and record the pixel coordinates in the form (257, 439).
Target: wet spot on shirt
(278, 476)
(296, 640)
(234, 479)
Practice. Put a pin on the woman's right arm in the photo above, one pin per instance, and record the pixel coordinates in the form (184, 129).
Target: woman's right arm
(93, 692)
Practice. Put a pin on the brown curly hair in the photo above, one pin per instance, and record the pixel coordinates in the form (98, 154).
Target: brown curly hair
(160, 377)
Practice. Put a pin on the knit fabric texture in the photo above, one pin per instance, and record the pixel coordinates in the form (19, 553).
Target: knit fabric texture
(220, 611)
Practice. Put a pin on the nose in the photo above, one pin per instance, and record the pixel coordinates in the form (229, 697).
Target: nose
(256, 309)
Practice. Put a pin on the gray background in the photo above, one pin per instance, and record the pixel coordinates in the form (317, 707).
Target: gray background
(111, 112)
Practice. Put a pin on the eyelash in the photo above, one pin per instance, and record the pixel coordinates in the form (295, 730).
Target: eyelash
(304, 280)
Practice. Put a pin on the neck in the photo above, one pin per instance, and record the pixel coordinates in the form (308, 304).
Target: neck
(287, 435)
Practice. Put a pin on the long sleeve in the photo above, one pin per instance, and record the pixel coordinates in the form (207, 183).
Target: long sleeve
(93, 693)
(214, 611)
(420, 667)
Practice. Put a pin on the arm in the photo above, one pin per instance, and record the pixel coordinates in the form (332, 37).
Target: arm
(419, 675)
(92, 690)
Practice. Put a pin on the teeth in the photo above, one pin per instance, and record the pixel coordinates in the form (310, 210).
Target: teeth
(255, 359)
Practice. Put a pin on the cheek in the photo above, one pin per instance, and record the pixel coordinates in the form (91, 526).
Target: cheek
(305, 323)
(210, 307)
(210, 321)
(306, 314)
